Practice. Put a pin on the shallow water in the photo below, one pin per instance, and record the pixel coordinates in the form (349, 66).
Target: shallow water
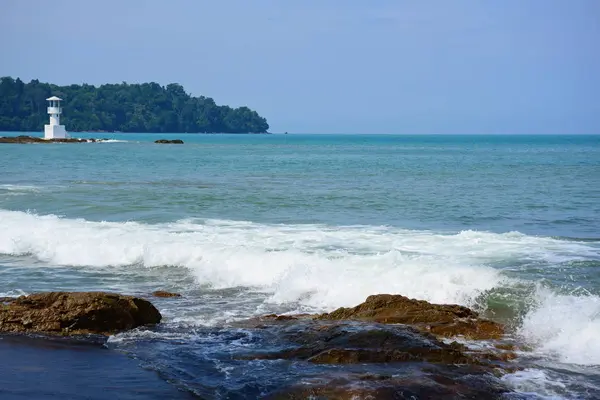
(35, 368)
(244, 225)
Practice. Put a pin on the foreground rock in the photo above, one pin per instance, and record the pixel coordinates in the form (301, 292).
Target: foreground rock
(76, 313)
(389, 347)
(352, 343)
(379, 361)
(439, 319)
(32, 139)
(166, 141)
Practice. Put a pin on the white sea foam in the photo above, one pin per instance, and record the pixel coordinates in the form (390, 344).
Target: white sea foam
(19, 188)
(534, 382)
(13, 293)
(111, 141)
(319, 267)
(565, 327)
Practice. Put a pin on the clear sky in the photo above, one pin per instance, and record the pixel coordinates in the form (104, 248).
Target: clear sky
(336, 66)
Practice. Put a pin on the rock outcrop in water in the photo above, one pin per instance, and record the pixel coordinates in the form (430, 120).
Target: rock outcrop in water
(440, 319)
(75, 313)
(23, 139)
(166, 141)
(389, 347)
(163, 293)
(352, 343)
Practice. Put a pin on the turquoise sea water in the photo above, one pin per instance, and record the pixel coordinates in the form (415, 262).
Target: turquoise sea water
(546, 185)
(250, 224)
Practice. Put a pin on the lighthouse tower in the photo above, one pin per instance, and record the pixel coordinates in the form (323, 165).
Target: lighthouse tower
(54, 130)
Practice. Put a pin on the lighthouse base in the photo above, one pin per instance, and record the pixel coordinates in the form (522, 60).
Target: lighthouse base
(55, 132)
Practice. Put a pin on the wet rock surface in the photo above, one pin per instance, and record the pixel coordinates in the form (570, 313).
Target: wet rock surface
(435, 384)
(352, 342)
(76, 313)
(395, 361)
(389, 347)
(163, 293)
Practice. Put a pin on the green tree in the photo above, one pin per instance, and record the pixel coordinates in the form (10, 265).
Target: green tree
(146, 107)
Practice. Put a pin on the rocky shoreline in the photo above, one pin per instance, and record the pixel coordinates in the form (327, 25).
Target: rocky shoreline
(385, 330)
(23, 139)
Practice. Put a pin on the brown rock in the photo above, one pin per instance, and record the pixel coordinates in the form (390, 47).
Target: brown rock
(506, 346)
(389, 332)
(162, 293)
(352, 343)
(356, 356)
(21, 139)
(439, 319)
(73, 313)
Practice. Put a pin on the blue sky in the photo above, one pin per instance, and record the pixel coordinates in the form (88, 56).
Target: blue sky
(336, 66)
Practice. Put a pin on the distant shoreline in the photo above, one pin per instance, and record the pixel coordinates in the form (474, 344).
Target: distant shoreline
(141, 107)
(148, 133)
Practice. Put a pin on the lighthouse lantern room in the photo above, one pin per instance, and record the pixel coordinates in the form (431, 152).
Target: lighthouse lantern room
(54, 130)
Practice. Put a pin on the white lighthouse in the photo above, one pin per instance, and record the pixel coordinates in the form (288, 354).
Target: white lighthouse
(54, 130)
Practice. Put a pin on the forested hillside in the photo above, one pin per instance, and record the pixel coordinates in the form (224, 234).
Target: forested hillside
(146, 107)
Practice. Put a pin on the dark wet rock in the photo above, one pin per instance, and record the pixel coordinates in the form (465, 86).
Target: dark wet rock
(166, 141)
(418, 365)
(443, 385)
(23, 139)
(353, 343)
(162, 293)
(440, 319)
(387, 333)
(76, 313)
(6, 300)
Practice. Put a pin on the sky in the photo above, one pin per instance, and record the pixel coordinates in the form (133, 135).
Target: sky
(332, 66)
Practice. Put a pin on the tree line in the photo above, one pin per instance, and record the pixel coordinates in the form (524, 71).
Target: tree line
(145, 107)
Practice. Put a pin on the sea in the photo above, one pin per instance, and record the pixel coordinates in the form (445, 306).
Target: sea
(247, 225)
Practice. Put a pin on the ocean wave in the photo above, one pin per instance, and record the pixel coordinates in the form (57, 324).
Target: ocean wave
(13, 293)
(19, 188)
(320, 267)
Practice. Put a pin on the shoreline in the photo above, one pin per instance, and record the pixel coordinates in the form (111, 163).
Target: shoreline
(385, 331)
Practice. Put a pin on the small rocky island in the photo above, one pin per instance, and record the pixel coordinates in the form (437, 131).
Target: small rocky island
(167, 141)
(24, 139)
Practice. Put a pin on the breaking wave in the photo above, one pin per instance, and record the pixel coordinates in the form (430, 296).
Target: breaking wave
(323, 267)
